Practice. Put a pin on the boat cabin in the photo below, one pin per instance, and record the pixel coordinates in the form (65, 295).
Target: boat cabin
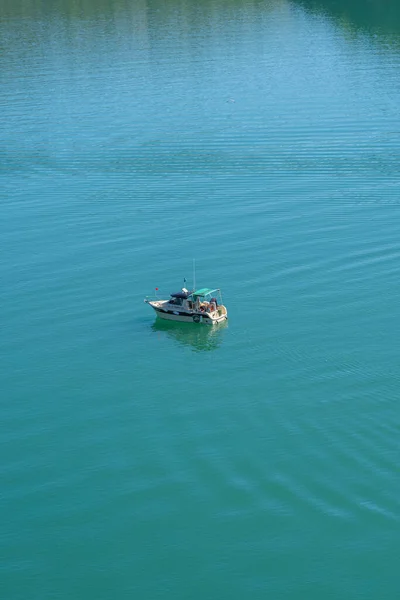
(203, 300)
(182, 298)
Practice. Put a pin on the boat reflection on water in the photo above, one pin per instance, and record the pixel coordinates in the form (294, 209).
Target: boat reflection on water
(203, 338)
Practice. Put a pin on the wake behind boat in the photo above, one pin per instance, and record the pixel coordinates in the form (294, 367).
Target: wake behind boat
(201, 306)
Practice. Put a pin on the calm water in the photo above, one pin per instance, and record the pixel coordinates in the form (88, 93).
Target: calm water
(258, 460)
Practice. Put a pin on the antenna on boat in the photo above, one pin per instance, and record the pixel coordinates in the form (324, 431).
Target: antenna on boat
(194, 274)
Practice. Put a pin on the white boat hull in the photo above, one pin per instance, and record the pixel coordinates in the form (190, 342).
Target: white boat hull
(166, 312)
(184, 319)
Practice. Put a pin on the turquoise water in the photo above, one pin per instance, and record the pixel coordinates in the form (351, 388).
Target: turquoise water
(146, 460)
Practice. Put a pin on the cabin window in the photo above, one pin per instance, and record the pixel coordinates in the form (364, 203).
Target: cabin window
(176, 301)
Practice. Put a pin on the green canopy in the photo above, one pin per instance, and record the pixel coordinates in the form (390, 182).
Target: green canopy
(204, 292)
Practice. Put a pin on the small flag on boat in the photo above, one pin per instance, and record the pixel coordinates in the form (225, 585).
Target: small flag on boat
(156, 289)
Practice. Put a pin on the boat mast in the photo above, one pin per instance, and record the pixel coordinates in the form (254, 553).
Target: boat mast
(194, 274)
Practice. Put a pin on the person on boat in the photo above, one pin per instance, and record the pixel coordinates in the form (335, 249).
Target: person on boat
(213, 305)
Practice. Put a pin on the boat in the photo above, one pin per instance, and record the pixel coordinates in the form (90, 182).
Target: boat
(190, 306)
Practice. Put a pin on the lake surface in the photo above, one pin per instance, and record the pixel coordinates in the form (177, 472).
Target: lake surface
(151, 461)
